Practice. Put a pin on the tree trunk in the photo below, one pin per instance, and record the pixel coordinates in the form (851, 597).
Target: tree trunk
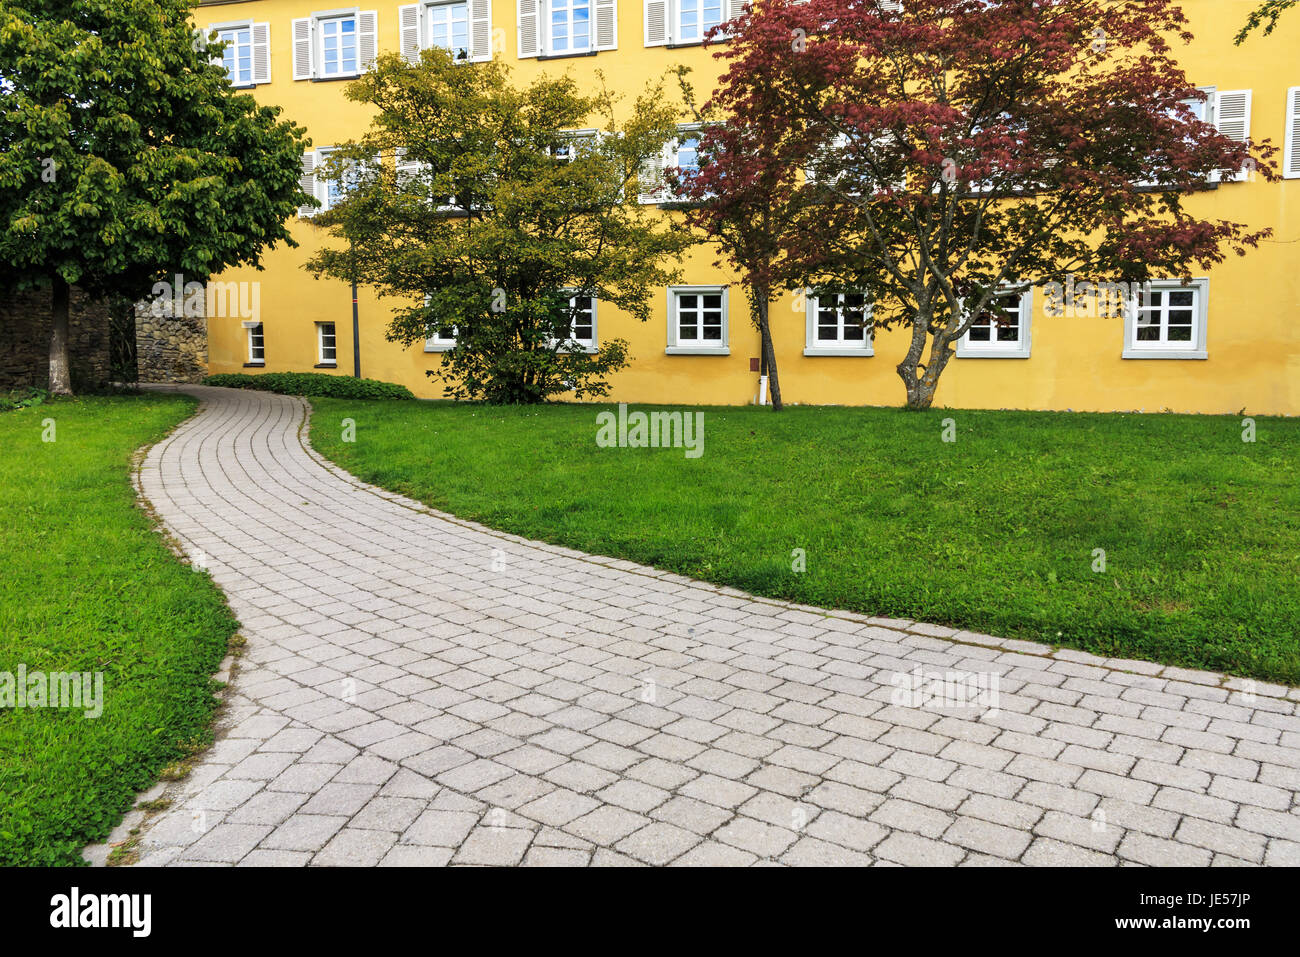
(60, 377)
(762, 302)
(922, 385)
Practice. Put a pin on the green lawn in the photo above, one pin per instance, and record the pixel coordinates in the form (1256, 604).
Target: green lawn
(87, 586)
(995, 532)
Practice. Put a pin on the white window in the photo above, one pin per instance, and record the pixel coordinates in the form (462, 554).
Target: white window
(697, 320)
(582, 323)
(1167, 321)
(461, 27)
(696, 18)
(838, 324)
(335, 45)
(443, 339)
(328, 192)
(574, 143)
(247, 55)
(326, 344)
(566, 27)
(683, 152)
(256, 343)
(676, 22)
(1002, 332)
(1291, 156)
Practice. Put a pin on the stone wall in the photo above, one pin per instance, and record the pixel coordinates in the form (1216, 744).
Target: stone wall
(170, 349)
(25, 340)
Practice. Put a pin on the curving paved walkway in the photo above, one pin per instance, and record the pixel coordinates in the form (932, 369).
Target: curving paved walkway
(420, 690)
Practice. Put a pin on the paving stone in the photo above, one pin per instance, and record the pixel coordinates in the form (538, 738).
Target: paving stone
(401, 704)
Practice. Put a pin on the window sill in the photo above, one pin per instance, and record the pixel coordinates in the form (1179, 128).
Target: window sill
(335, 79)
(698, 351)
(440, 347)
(541, 57)
(327, 365)
(254, 365)
(838, 351)
(1164, 354)
(992, 354)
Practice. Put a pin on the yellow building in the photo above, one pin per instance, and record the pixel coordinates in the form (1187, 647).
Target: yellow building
(1242, 350)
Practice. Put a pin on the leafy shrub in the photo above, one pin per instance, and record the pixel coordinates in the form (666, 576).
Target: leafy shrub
(311, 384)
(22, 399)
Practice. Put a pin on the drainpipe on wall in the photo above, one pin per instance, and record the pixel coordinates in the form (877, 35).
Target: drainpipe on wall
(356, 335)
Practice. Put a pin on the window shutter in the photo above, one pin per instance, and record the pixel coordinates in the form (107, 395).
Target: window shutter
(303, 65)
(656, 23)
(1232, 117)
(891, 6)
(1291, 160)
(367, 39)
(409, 19)
(308, 181)
(605, 36)
(407, 169)
(480, 30)
(735, 8)
(527, 22)
(261, 53)
(650, 179)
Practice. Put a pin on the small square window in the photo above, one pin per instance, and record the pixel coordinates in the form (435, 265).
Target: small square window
(1166, 320)
(838, 324)
(1002, 332)
(697, 320)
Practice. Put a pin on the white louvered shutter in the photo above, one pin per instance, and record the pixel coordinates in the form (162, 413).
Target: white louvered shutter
(606, 30)
(409, 23)
(735, 8)
(261, 53)
(650, 180)
(303, 65)
(308, 181)
(1291, 158)
(480, 30)
(367, 39)
(656, 23)
(1232, 117)
(527, 21)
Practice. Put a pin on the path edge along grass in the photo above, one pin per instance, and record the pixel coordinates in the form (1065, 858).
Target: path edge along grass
(118, 847)
(916, 630)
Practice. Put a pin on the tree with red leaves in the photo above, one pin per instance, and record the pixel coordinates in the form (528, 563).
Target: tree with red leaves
(942, 154)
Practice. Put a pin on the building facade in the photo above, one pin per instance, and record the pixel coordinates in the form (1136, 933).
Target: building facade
(1230, 341)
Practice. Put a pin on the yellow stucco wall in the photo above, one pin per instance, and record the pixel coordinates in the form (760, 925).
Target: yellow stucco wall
(1253, 336)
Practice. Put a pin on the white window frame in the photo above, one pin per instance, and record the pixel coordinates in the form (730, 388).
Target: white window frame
(439, 343)
(590, 345)
(968, 348)
(309, 43)
(548, 43)
(654, 170)
(318, 51)
(533, 29)
(259, 50)
(426, 15)
(415, 29)
(256, 329)
(234, 28)
(678, 28)
(321, 358)
(840, 346)
(1148, 349)
(662, 20)
(693, 347)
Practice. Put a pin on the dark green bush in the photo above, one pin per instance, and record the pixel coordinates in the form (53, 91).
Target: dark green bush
(311, 384)
(22, 398)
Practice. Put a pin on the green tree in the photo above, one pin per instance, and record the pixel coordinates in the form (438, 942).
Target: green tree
(1265, 15)
(474, 202)
(126, 156)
